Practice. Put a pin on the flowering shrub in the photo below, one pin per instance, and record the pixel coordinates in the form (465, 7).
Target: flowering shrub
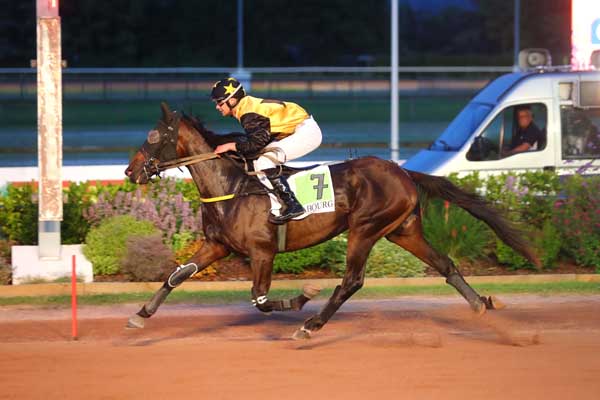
(527, 200)
(577, 217)
(162, 204)
(527, 197)
(453, 231)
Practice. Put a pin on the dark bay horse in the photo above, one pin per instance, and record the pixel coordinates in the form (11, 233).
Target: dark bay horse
(373, 199)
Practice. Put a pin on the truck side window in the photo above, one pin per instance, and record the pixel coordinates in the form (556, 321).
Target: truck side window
(486, 146)
(517, 129)
(580, 132)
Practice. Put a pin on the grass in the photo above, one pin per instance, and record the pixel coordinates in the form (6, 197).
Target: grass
(38, 281)
(237, 296)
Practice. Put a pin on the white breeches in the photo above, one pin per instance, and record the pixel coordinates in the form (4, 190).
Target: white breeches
(306, 138)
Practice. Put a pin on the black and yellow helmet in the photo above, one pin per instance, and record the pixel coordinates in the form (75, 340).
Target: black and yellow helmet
(225, 89)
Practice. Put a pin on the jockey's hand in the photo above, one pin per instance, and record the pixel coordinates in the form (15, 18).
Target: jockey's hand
(223, 148)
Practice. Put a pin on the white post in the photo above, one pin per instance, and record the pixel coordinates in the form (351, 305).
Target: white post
(394, 139)
(48, 260)
(49, 106)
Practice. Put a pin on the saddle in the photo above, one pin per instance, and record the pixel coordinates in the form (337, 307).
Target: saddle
(247, 164)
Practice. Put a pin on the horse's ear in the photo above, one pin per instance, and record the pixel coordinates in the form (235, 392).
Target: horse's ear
(166, 111)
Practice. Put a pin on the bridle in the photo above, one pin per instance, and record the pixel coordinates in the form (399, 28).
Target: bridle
(161, 144)
(160, 149)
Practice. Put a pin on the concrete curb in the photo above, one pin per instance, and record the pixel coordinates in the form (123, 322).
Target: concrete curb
(58, 289)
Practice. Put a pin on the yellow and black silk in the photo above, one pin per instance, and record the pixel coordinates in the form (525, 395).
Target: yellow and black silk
(266, 120)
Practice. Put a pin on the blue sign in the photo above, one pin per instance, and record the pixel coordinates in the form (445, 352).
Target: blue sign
(596, 31)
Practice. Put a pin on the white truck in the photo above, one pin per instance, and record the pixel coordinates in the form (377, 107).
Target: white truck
(566, 111)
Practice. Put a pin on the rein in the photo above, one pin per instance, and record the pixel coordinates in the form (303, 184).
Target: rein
(153, 166)
(184, 161)
(181, 162)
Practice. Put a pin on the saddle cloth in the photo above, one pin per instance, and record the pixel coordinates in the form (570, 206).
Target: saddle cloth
(313, 189)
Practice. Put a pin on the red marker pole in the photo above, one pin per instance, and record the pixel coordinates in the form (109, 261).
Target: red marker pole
(73, 300)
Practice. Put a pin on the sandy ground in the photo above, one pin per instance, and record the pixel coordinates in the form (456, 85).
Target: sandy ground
(405, 348)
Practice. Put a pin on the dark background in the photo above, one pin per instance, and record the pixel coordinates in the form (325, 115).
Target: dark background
(171, 33)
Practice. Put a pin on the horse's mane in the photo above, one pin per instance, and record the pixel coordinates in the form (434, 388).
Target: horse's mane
(213, 139)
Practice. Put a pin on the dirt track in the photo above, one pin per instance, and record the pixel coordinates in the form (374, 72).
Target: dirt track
(409, 348)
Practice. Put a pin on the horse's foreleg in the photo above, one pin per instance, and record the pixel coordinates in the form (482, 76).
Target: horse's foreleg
(206, 255)
(354, 277)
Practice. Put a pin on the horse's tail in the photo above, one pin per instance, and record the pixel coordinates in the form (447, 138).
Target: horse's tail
(478, 207)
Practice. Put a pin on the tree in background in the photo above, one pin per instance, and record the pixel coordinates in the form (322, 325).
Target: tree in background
(161, 33)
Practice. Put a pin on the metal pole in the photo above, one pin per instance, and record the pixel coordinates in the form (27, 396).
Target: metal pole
(516, 36)
(242, 75)
(49, 99)
(394, 139)
(240, 34)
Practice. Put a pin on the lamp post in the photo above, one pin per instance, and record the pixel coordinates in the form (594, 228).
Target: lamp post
(242, 75)
(394, 136)
(516, 35)
(49, 109)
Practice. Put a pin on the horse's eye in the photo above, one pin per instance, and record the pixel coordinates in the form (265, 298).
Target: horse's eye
(153, 136)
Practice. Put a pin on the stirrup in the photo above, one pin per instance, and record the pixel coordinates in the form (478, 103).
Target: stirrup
(282, 219)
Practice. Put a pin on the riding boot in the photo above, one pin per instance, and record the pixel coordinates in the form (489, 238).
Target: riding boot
(292, 207)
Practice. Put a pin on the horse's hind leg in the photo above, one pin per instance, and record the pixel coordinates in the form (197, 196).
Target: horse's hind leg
(410, 236)
(354, 277)
(206, 255)
(261, 262)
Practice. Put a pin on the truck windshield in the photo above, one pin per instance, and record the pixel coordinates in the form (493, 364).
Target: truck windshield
(461, 128)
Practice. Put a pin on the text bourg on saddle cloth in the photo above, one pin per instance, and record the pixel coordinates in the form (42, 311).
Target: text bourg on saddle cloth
(287, 132)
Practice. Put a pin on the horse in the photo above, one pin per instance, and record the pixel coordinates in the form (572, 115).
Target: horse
(374, 198)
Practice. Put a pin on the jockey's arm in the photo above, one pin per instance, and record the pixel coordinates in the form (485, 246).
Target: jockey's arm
(223, 148)
(258, 130)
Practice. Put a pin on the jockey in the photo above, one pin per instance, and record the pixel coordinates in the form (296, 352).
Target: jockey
(268, 124)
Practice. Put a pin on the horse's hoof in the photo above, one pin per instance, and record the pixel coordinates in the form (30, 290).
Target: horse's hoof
(496, 303)
(478, 308)
(311, 291)
(135, 322)
(301, 334)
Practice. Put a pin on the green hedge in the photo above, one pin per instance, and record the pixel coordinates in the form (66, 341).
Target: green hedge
(106, 244)
(561, 217)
